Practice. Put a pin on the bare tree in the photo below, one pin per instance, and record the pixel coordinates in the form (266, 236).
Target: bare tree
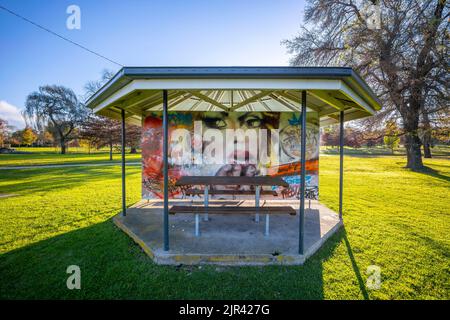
(92, 87)
(58, 107)
(403, 56)
(434, 115)
(103, 131)
(4, 131)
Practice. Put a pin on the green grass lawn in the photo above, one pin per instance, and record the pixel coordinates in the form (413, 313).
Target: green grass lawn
(394, 218)
(48, 156)
(437, 151)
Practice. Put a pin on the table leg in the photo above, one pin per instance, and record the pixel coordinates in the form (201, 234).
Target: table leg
(206, 201)
(197, 225)
(257, 196)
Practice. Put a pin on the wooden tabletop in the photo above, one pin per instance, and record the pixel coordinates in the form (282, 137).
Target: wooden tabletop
(232, 180)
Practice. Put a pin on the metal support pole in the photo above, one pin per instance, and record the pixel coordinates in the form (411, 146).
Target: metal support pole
(341, 161)
(257, 197)
(165, 170)
(267, 225)
(301, 230)
(206, 202)
(124, 200)
(197, 225)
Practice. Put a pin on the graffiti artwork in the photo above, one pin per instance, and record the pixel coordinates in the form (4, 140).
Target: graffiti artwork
(230, 144)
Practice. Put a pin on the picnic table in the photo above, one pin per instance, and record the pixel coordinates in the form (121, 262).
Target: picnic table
(211, 181)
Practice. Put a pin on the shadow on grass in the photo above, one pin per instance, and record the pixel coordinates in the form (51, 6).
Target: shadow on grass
(433, 173)
(113, 267)
(355, 267)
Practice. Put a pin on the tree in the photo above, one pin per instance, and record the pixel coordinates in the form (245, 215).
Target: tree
(16, 138)
(391, 142)
(28, 136)
(391, 138)
(92, 87)
(425, 135)
(403, 55)
(441, 133)
(330, 136)
(59, 107)
(47, 139)
(434, 116)
(101, 132)
(4, 131)
(372, 137)
(353, 137)
(133, 137)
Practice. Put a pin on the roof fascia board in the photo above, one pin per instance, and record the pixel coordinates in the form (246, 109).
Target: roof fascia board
(236, 84)
(345, 89)
(223, 84)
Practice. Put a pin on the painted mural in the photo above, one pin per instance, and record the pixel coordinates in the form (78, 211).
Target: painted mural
(230, 144)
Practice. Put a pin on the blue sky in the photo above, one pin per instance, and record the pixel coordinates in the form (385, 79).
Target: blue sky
(135, 33)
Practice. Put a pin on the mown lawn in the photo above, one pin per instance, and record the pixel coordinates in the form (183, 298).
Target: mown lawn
(394, 218)
(438, 150)
(49, 156)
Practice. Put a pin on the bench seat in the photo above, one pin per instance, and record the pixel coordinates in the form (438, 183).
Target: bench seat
(232, 210)
(229, 192)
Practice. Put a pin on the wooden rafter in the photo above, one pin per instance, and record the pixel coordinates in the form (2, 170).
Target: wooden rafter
(136, 99)
(219, 96)
(146, 103)
(284, 103)
(159, 100)
(129, 116)
(327, 111)
(205, 98)
(260, 101)
(183, 98)
(328, 99)
(196, 104)
(251, 99)
(289, 96)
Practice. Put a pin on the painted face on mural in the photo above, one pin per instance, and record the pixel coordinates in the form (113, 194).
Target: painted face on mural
(239, 120)
(236, 149)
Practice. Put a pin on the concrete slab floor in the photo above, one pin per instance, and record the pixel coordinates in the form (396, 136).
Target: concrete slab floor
(228, 239)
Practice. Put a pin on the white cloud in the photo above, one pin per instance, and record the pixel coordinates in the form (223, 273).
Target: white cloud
(11, 114)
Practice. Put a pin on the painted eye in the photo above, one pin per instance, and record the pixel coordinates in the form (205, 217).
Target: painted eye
(253, 122)
(215, 123)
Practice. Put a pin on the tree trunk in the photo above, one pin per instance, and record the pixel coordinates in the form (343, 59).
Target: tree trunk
(413, 153)
(426, 137)
(63, 147)
(110, 152)
(411, 115)
(427, 150)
